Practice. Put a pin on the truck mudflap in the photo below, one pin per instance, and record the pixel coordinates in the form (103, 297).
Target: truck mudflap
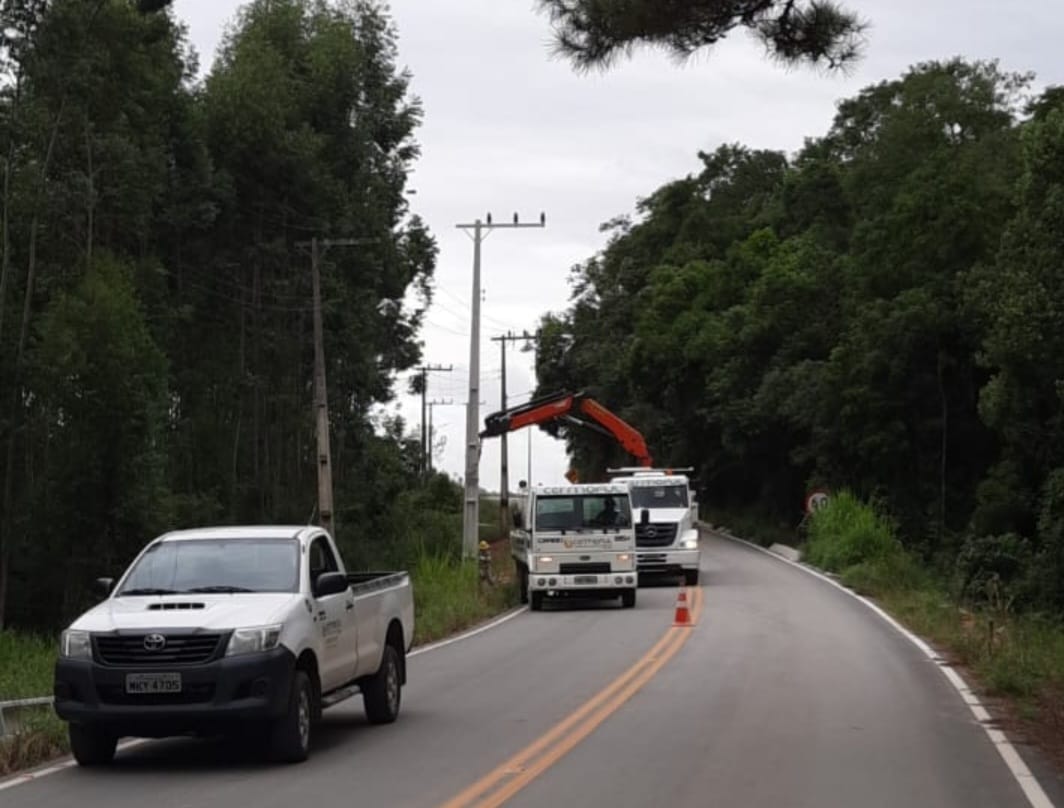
(612, 581)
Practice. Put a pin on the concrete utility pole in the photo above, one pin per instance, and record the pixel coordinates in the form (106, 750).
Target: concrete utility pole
(471, 511)
(432, 405)
(426, 446)
(318, 248)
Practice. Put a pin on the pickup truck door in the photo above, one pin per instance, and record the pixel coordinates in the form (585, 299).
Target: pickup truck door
(332, 617)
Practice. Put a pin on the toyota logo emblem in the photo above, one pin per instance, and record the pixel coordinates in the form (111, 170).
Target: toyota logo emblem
(154, 642)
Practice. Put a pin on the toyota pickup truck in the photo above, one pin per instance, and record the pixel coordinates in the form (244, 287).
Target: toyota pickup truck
(249, 630)
(574, 541)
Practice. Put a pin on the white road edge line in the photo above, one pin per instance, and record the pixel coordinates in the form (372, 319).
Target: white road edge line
(498, 621)
(1032, 789)
(66, 763)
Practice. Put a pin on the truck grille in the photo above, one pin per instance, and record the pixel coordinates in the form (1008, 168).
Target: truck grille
(180, 649)
(655, 535)
(592, 568)
(190, 694)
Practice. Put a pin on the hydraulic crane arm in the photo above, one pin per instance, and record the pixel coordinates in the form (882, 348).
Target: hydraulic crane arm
(575, 408)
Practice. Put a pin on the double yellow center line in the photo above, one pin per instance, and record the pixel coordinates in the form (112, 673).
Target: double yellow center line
(509, 777)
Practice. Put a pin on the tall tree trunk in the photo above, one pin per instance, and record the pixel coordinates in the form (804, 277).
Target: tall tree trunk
(944, 409)
(16, 408)
(91, 200)
(5, 214)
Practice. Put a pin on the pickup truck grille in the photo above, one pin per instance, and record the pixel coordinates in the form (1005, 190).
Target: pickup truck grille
(655, 535)
(586, 568)
(180, 649)
(190, 694)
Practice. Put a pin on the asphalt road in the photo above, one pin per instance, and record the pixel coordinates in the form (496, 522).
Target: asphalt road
(786, 693)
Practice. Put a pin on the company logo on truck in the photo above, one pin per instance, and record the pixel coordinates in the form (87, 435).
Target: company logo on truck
(590, 541)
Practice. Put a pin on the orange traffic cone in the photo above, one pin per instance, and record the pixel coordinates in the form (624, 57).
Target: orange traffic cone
(683, 615)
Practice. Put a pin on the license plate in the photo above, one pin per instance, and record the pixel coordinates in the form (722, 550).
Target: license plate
(586, 579)
(153, 683)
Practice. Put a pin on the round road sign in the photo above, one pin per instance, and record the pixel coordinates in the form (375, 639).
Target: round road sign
(816, 499)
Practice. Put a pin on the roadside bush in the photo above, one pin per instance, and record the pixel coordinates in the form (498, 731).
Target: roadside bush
(994, 567)
(847, 532)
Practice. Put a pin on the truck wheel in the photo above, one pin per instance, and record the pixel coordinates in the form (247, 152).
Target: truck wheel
(690, 577)
(382, 692)
(522, 582)
(91, 746)
(290, 735)
(628, 599)
(536, 601)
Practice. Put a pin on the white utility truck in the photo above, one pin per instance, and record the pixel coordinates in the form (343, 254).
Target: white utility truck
(574, 541)
(250, 630)
(666, 531)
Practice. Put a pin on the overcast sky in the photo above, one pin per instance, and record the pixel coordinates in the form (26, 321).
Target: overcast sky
(509, 128)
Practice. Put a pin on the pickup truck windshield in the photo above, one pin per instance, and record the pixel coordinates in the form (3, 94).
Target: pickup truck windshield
(216, 565)
(582, 512)
(659, 496)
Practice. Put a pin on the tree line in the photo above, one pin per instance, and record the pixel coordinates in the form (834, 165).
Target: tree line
(881, 311)
(155, 321)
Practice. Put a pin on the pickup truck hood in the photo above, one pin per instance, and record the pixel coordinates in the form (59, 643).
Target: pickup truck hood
(219, 612)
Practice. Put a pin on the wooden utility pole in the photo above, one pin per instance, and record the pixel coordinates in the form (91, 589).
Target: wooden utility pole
(318, 248)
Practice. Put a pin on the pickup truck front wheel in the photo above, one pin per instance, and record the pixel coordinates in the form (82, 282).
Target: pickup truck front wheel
(290, 738)
(91, 746)
(382, 693)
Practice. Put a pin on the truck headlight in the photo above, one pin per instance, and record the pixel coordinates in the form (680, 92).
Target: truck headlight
(689, 544)
(624, 557)
(546, 559)
(75, 645)
(253, 640)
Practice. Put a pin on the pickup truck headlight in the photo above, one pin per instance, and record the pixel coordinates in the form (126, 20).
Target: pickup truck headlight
(689, 544)
(253, 640)
(75, 645)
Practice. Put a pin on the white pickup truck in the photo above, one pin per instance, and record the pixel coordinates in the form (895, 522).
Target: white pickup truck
(575, 541)
(666, 531)
(236, 629)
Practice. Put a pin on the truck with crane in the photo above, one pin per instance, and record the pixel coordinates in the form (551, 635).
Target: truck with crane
(666, 538)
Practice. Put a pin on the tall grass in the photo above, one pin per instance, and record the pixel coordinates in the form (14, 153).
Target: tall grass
(449, 598)
(26, 669)
(847, 533)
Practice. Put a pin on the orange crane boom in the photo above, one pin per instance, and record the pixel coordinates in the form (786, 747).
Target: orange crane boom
(575, 408)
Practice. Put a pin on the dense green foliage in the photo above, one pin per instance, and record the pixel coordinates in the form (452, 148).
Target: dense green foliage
(155, 321)
(879, 312)
(592, 33)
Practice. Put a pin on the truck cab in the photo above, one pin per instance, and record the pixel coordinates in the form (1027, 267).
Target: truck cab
(574, 541)
(666, 513)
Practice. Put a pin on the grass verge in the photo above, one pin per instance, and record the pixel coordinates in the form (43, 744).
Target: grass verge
(448, 598)
(26, 672)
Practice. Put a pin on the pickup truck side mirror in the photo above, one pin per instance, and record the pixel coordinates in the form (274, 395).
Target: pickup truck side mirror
(102, 586)
(517, 518)
(644, 516)
(330, 583)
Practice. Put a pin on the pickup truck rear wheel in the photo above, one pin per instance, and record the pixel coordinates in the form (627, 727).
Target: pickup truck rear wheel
(290, 735)
(91, 746)
(628, 599)
(382, 692)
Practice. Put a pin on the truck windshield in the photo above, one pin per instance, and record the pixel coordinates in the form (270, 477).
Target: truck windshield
(582, 511)
(216, 565)
(659, 496)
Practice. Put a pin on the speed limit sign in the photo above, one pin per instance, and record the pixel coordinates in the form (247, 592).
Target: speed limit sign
(816, 499)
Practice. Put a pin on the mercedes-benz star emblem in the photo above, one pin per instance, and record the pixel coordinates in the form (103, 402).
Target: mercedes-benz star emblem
(651, 533)
(154, 642)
